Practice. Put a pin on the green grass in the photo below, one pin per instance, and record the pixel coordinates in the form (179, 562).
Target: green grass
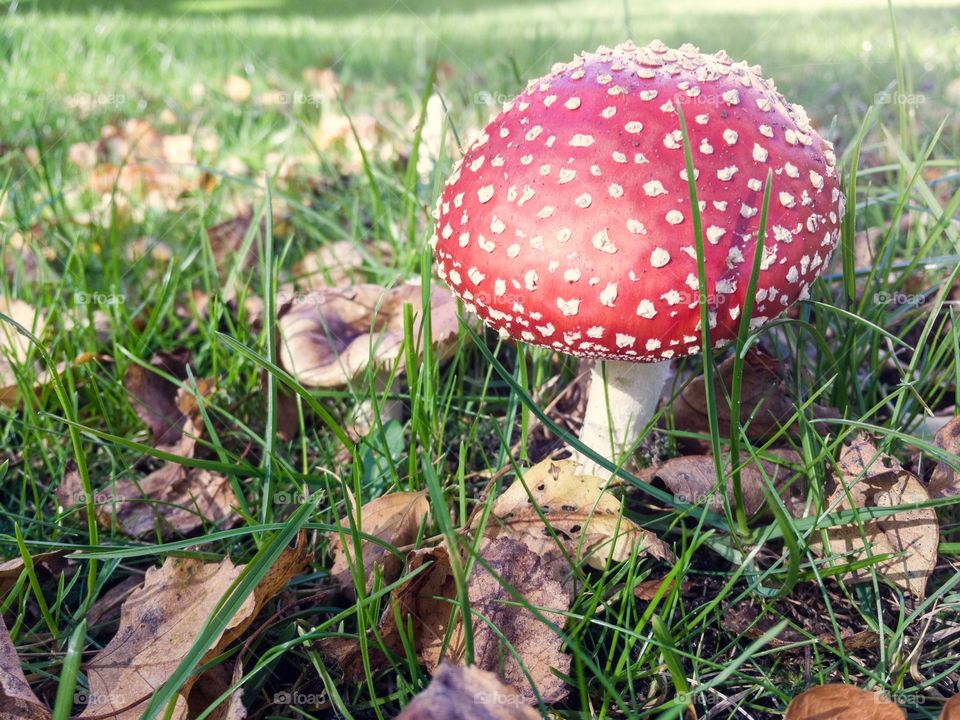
(70, 67)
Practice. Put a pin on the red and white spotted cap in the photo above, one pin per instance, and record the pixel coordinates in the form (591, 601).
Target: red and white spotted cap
(567, 224)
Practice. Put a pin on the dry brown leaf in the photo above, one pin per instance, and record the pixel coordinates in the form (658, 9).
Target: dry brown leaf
(108, 605)
(587, 519)
(541, 581)
(842, 702)
(426, 599)
(15, 347)
(394, 518)
(173, 500)
(154, 398)
(329, 337)
(945, 481)
(874, 479)
(227, 239)
(693, 479)
(159, 623)
(745, 619)
(18, 700)
(467, 693)
(11, 396)
(10, 570)
(765, 402)
(951, 709)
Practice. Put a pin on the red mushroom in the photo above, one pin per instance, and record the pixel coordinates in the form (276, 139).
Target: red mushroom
(567, 224)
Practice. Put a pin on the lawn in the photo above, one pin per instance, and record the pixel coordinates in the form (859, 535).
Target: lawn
(198, 199)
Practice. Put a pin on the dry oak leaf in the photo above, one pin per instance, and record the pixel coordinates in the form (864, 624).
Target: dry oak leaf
(467, 693)
(18, 700)
(160, 621)
(328, 337)
(395, 519)
(693, 479)
(842, 702)
(586, 518)
(543, 581)
(945, 480)
(765, 401)
(874, 479)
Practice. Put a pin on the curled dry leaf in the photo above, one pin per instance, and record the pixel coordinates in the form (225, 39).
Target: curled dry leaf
(765, 401)
(870, 478)
(394, 518)
(693, 479)
(329, 337)
(227, 240)
(945, 481)
(18, 700)
(467, 693)
(842, 702)
(587, 520)
(160, 621)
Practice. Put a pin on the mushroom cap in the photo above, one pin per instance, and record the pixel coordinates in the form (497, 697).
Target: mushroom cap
(568, 222)
(329, 337)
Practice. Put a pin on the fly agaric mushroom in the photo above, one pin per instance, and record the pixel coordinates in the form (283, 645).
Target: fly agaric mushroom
(568, 224)
(329, 337)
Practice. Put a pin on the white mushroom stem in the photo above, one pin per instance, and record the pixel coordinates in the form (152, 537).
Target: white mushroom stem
(385, 384)
(623, 398)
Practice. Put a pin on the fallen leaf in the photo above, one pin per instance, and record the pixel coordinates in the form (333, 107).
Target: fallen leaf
(648, 589)
(586, 518)
(173, 500)
(10, 570)
(693, 479)
(329, 337)
(426, 600)
(945, 480)
(108, 605)
(951, 709)
(10, 395)
(746, 619)
(540, 581)
(394, 518)
(237, 88)
(467, 693)
(154, 398)
(19, 702)
(765, 402)
(227, 239)
(842, 702)
(15, 347)
(160, 621)
(874, 479)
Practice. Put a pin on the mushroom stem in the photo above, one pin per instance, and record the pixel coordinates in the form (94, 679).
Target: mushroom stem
(623, 398)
